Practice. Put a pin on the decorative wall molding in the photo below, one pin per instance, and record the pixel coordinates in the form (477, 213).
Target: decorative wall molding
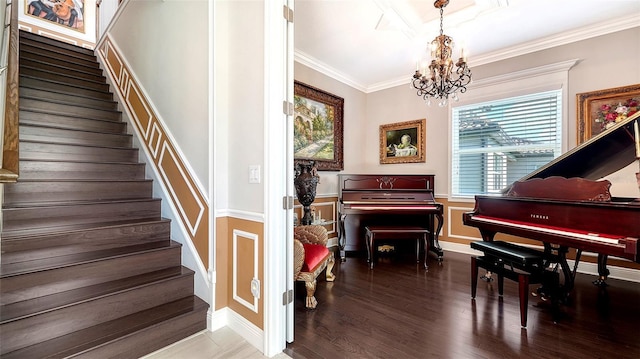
(184, 191)
(238, 235)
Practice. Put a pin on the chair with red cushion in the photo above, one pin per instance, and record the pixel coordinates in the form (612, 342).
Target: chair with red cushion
(311, 257)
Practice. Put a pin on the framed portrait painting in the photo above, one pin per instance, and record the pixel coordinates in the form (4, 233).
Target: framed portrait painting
(68, 14)
(402, 142)
(599, 110)
(317, 127)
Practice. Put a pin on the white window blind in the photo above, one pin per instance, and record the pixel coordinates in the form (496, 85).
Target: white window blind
(498, 142)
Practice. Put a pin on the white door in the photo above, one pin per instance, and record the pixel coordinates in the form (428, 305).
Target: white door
(278, 316)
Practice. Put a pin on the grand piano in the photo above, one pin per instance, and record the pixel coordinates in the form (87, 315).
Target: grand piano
(386, 199)
(566, 204)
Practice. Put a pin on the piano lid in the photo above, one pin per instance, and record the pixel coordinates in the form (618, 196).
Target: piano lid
(602, 155)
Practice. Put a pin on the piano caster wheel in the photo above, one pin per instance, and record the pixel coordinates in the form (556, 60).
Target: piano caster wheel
(487, 278)
(600, 282)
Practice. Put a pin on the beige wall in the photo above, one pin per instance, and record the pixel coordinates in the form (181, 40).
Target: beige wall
(364, 113)
(597, 68)
(173, 72)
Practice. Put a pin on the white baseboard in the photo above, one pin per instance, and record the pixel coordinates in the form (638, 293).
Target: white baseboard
(226, 317)
(621, 273)
(246, 329)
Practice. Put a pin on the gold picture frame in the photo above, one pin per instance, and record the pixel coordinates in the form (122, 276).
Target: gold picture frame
(317, 127)
(403, 142)
(598, 109)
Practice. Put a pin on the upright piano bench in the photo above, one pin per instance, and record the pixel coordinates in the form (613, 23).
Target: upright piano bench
(372, 233)
(518, 263)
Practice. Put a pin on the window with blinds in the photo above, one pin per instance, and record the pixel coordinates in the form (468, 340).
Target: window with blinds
(496, 143)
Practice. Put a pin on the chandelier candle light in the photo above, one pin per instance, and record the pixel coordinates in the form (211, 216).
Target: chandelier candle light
(439, 80)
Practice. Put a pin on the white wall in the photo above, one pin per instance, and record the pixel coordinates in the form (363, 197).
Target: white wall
(241, 110)
(166, 46)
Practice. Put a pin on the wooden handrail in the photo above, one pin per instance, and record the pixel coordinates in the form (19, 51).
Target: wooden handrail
(9, 170)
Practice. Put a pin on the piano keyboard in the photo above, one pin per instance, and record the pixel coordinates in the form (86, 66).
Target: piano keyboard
(589, 236)
(370, 207)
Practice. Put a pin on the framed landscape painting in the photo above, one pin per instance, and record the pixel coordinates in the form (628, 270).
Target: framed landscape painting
(402, 142)
(317, 127)
(599, 110)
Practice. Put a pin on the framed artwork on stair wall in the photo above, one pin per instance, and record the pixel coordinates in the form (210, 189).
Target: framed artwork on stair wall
(65, 13)
(318, 127)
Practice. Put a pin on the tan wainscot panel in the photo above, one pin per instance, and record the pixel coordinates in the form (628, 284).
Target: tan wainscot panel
(223, 256)
(325, 212)
(245, 269)
(140, 109)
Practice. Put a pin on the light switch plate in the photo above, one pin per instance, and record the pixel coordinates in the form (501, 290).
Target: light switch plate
(254, 174)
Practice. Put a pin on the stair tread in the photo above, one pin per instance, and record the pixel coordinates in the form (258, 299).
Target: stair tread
(73, 95)
(70, 253)
(108, 332)
(40, 205)
(35, 306)
(84, 228)
(65, 115)
(88, 71)
(27, 67)
(66, 84)
(8, 235)
(12, 269)
(70, 104)
(128, 148)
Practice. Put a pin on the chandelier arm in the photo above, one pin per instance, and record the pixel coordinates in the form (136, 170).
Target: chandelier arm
(442, 80)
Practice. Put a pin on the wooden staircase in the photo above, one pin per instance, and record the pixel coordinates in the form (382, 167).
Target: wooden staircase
(88, 265)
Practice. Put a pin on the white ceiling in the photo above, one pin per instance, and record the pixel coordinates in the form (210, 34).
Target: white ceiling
(374, 44)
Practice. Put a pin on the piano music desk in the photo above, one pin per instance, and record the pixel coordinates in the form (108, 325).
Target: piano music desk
(390, 232)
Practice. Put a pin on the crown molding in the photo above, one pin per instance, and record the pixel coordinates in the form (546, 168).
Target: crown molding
(584, 33)
(310, 61)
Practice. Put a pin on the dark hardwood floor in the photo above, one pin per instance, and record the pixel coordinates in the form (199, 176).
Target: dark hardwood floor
(399, 310)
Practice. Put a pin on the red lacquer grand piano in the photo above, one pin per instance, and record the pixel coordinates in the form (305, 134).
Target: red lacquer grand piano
(566, 204)
(369, 199)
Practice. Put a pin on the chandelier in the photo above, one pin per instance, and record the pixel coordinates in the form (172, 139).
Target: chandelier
(439, 79)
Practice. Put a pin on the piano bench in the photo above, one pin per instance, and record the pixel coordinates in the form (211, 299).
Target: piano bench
(372, 233)
(518, 263)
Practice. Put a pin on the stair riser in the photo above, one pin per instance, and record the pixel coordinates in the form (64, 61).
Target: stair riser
(26, 37)
(57, 152)
(63, 191)
(68, 99)
(51, 76)
(21, 249)
(25, 332)
(31, 53)
(73, 137)
(72, 53)
(36, 218)
(151, 339)
(31, 104)
(64, 87)
(61, 70)
(30, 170)
(38, 284)
(71, 122)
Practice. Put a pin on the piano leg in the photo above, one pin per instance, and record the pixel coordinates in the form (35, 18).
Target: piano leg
(434, 246)
(342, 236)
(603, 272)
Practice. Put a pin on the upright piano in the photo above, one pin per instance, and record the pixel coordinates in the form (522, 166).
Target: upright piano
(567, 204)
(386, 199)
